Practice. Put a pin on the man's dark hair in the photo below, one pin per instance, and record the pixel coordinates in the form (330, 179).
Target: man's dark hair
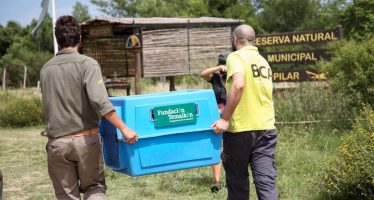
(67, 31)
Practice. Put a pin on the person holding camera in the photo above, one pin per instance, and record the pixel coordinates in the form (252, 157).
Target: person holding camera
(217, 77)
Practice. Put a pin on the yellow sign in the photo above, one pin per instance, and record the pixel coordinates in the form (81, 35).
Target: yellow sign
(297, 76)
(286, 76)
(316, 76)
(298, 37)
(286, 57)
(309, 56)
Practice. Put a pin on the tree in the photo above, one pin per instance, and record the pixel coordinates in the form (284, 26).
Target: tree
(286, 15)
(44, 36)
(238, 9)
(80, 12)
(153, 8)
(358, 19)
(9, 35)
(328, 14)
(23, 49)
(265, 16)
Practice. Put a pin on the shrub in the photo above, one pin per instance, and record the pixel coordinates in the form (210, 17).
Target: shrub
(17, 111)
(351, 71)
(350, 173)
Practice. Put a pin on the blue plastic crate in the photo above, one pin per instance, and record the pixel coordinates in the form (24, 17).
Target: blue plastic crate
(173, 130)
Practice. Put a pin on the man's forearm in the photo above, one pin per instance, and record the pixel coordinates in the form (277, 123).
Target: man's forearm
(113, 118)
(130, 136)
(207, 74)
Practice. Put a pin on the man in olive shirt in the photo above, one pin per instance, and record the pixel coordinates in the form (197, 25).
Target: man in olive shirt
(74, 99)
(247, 121)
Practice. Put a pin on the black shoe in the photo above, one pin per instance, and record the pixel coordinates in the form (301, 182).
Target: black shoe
(217, 186)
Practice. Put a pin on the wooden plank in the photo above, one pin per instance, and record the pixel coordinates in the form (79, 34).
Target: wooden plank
(165, 52)
(100, 31)
(138, 72)
(205, 46)
(162, 22)
(111, 54)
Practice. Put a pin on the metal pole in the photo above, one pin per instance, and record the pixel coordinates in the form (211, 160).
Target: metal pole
(1, 185)
(24, 77)
(53, 26)
(172, 83)
(138, 72)
(4, 78)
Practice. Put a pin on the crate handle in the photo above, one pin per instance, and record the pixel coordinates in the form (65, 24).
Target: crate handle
(197, 109)
(151, 115)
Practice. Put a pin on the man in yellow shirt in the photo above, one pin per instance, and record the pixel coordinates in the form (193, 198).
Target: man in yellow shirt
(247, 121)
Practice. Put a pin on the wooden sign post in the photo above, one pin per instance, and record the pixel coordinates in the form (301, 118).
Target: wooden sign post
(138, 72)
(309, 56)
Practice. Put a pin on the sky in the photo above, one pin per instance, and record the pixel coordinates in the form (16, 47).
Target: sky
(23, 11)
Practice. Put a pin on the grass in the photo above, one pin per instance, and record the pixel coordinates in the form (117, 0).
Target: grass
(301, 151)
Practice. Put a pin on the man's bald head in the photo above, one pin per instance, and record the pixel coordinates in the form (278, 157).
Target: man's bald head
(245, 33)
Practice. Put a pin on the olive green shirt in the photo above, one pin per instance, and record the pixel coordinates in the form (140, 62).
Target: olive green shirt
(74, 94)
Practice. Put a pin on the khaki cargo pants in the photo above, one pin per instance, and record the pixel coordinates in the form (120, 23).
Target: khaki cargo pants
(75, 166)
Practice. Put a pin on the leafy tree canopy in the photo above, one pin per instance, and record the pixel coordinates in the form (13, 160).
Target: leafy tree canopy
(80, 12)
(358, 19)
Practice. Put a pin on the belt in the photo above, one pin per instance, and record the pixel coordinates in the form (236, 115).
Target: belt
(94, 131)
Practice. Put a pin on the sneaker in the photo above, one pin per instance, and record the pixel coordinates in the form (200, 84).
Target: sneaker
(217, 186)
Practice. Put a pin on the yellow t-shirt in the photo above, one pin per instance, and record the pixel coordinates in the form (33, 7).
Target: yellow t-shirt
(255, 110)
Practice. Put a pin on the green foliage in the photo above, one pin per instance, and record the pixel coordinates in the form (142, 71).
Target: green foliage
(351, 71)
(286, 15)
(265, 16)
(153, 8)
(300, 153)
(350, 173)
(18, 111)
(177, 8)
(26, 50)
(312, 102)
(328, 15)
(358, 19)
(80, 12)
(44, 37)
(17, 56)
(277, 16)
(8, 34)
(244, 10)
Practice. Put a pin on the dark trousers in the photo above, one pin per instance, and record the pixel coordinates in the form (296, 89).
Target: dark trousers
(1, 185)
(254, 148)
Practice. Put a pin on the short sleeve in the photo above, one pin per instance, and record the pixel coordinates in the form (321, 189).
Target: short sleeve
(234, 65)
